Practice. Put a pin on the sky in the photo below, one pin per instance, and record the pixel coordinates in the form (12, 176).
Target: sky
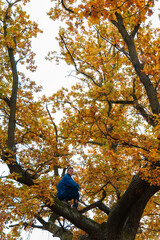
(51, 76)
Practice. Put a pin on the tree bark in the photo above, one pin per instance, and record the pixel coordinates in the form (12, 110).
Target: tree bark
(129, 40)
(13, 100)
(123, 220)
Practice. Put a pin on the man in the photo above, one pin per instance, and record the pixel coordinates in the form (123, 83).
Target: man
(68, 189)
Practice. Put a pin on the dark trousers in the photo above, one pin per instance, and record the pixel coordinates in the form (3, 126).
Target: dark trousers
(69, 194)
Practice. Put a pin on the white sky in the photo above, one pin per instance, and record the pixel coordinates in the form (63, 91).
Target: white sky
(51, 76)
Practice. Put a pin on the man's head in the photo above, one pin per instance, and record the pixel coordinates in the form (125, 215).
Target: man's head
(70, 171)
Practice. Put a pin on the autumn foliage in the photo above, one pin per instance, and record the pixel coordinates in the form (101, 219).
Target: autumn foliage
(109, 130)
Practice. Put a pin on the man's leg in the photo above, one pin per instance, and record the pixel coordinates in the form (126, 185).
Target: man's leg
(69, 194)
(75, 205)
(75, 197)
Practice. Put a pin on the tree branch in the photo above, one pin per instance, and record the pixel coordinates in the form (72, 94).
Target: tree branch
(75, 65)
(98, 204)
(66, 8)
(19, 173)
(54, 125)
(53, 228)
(135, 30)
(135, 214)
(5, 99)
(149, 118)
(144, 114)
(131, 203)
(112, 44)
(127, 143)
(127, 102)
(145, 80)
(95, 143)
(80, 221)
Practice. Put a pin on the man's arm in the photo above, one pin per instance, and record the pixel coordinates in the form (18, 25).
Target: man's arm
(69, 182)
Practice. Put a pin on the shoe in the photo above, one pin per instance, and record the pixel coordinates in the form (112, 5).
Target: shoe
(75, 205)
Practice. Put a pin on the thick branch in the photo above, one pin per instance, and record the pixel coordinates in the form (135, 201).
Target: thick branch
(13, 98)
(144, 114)
(139, 191)
(98, 204)
(135, 30)
(135, 215)
(11, 125)
(140, 109)
(75, 217)
(21, 175)
(53, 228)
(129, 40)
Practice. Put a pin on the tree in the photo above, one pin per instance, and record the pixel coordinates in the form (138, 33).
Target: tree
(109, 130)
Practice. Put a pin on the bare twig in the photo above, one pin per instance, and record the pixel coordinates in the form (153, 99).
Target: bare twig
(112, 44)
(75, 65)
(54, 125)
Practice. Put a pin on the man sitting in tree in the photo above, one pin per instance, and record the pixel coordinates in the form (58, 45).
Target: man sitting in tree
(68, 189)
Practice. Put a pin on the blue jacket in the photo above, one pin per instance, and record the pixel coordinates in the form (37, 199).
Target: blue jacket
(65, 183)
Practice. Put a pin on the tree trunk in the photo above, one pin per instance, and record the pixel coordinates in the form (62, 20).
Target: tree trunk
(123, 220)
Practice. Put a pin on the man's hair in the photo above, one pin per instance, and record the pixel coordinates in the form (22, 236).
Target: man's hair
(69, 168)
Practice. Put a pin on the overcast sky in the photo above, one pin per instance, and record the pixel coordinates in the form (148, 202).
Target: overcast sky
(51, 76)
